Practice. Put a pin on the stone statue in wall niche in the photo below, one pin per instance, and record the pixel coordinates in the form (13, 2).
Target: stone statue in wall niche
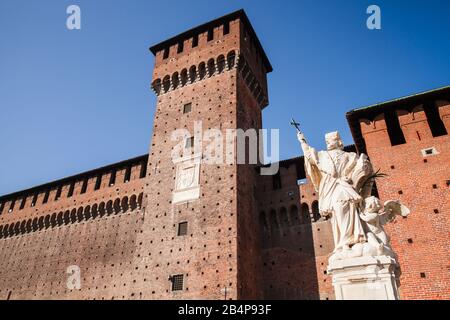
(344, 183)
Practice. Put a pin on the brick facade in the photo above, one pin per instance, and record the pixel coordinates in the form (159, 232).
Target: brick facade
(154, 228)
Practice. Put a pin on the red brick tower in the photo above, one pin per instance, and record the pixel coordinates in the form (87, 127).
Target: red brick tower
(407, 139)
(200, 231)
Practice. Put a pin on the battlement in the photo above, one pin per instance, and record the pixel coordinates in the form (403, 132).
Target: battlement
(80, 189)
(210, 49)
(405, 120)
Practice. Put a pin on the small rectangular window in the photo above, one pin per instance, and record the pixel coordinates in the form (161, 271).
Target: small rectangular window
(182, 228)
(47, 195)
(143, 170)
(226, 28)
(22, 205)
(189, 142)
(11, 207)
(177, 282)
(127, 174)
(210, 34)
(195, 41)
(84, 186)
(98, 182)
(187, 107)
(166, 53)
(180, 46)
(71, 188)
(58, 193)
(112, 178)
(33, 202)
(276, 181)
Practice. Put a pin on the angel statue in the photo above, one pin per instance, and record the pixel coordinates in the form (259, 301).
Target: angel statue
(375, 218)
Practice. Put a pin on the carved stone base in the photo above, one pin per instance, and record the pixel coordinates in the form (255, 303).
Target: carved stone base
(365, 278)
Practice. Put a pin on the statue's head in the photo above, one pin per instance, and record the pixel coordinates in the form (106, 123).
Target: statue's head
(372, 204)
(333, 140)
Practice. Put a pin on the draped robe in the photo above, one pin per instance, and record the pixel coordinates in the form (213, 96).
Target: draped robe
(330, 172)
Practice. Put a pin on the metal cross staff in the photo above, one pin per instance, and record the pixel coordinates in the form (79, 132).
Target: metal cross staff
(295, 124)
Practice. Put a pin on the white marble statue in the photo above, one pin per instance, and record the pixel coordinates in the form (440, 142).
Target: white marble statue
(375, 217)
(344, 182)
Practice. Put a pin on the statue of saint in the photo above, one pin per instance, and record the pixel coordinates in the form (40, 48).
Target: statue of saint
(342, 180)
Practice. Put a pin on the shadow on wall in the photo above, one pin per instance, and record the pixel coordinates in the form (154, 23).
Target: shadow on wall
(289, 255)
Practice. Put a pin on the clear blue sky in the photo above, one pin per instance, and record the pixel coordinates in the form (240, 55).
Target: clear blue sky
(71, 101)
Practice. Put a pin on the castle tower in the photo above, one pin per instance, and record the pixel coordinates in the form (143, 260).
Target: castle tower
(407, 139)
(200, 230)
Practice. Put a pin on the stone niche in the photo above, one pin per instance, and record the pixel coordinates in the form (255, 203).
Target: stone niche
(187, 187)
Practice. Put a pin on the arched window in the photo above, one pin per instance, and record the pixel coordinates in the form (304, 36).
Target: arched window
(40, 223)
(192, 74)
(125, 204)
(94, 211)
(211, 67)
(220, 63)
(166, 83)
(47, 221)
(139, 199)
(29, 226)
(117, 206)
(109, 207)
(133, 203)
(87, 213)
(231, 59)
(273, 220)
(315, 210)
(305, 213)
(73, 216)
(284, 217)
(201, 70)
(80, 215)
(101, 209)
(157, 86)
(53, 221)
(175, 80)
(294, 215)
(262, 221)
(184, 77)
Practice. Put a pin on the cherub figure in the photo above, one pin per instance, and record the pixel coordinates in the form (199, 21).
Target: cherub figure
(376, 216)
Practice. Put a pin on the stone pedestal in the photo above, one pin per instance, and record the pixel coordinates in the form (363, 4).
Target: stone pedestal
(365, 278)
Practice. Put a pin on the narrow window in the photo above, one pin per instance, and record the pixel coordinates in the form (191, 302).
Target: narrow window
(33, 202)
(182, 228)
(226, 28)
(2, 206)
(195, 41)
(47, 195)
(9, 295)
(71, 188)
(210, 34)
(11, 207)
(112, 178)
(166, 53)
(84, 186)
(143, 170)
(22, 204)
(276, 181)
(187, 107)
(98, 182)
(189, 142)
(58, 193)
(393, 128)
(180, 46)
(177, 282)
(435, 122)
(127, 174)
